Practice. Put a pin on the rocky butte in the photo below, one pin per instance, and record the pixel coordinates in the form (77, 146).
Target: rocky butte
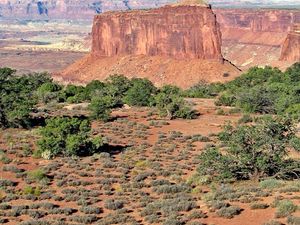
(291, 46)
(176, 44)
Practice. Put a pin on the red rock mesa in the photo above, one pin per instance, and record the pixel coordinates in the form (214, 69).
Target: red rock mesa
(189, 32)
(178, 44)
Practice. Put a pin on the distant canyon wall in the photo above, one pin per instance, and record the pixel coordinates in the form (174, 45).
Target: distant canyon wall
(252, 37)
(70, 9)
(252, 26)
(187, 32)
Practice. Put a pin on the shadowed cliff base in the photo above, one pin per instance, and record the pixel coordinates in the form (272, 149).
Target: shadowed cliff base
(160, 70)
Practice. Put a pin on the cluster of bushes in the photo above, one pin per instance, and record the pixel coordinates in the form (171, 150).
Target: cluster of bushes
(253, 151)
(116, 91)
(265, 90)
(204, 90)
(17, 100)
(20, 95)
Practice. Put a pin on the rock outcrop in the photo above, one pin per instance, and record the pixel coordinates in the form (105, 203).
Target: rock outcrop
(184, 32)
(254, 37)
(291, 46)
(179, 44)
(256, 26)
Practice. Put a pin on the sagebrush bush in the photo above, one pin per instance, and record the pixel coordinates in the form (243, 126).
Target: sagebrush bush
(229, 212)
(259, 206)
(285, 208)
(293, 220)
(271, 184)
(113, 204)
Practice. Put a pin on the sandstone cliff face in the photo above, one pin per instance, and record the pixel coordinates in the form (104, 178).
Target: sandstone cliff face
(291, 46)
(252, 37)
(258, 20)
(265, 27)
(179, 45)
(179, 32)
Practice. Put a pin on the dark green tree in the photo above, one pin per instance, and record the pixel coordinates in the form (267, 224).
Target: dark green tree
(17, 99)
(100, 107)
(116, 87)
(257, 99)
(94, 88)
(48, 91)
(293, 73)
(67, 137)
(172, 105)
(252, 151)
(141, 93)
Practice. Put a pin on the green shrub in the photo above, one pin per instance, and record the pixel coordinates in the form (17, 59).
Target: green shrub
(67, 136)
(37, 174)
(229, 212)
(101, 107)
(252, 151)
(171, 105)
(245, 119)
(293, 220)
(259, 206)
(226, 99)
(3, 158)
(48, 91)
(17, 97)
(197, 214)
(285, 208)
(204, 90)
(293, 111)
(141, 93)
(113, 204)
(295, 143)
(271, 184)
(257, 100)
(292, 73)
(272, 222)
(28, 190)
(116, 87)
(94, 88)
(264, 90)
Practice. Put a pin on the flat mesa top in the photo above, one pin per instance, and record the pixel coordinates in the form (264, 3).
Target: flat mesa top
(156, 10)
(191, 2)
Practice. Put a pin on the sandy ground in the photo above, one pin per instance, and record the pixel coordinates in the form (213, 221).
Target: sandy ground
(133, 126)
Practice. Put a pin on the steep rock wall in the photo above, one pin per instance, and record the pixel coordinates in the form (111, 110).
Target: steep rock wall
(291, 46)
(180, 32)
(252, 37)
(179, 45)
(263, 26)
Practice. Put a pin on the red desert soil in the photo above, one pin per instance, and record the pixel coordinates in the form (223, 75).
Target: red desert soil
(160, 70)
(117, 131)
